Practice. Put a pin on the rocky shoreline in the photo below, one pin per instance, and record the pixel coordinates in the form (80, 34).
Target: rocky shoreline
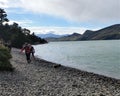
(43, 78)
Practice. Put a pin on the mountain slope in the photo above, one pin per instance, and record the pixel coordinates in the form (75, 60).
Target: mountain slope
(50, 35)
(108, 33)
(72, 37)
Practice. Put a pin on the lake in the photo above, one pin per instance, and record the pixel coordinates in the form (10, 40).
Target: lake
(101, 57)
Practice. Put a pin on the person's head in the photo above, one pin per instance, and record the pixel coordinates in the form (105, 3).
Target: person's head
(29, 45)
(26, 44)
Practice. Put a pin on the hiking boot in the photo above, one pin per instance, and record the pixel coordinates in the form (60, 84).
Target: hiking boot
(29, 61)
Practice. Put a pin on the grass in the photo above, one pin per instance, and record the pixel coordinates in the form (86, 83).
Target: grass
(5, 56)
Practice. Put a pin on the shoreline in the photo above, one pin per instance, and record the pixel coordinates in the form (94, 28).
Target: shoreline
(44, 78)
(78, 70)
(92, 74)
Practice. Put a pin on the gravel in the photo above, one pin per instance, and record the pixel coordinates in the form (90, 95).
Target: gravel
(43, 78)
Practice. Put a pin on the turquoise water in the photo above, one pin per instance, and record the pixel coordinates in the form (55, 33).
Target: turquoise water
(101, 57)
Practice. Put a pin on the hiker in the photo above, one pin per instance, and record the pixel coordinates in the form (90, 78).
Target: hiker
(32, 50)
(26, 47)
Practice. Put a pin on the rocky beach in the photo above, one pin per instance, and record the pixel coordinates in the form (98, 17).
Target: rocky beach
(43, 78)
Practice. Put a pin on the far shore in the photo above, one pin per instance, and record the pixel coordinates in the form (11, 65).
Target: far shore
(44, 78)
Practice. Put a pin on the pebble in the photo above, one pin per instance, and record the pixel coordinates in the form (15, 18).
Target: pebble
(43, 78)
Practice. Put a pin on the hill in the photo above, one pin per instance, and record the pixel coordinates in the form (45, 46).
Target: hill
(51, 35)
(72, 37)
(108, 33)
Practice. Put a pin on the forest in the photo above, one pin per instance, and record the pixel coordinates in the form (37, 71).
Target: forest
(15, 34)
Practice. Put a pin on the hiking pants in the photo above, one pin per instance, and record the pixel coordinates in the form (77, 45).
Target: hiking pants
(27, 56)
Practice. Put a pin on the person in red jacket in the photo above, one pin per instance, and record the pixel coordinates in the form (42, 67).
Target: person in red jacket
(27, 49)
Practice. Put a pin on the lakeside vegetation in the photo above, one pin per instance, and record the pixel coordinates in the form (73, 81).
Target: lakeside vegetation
(5, 59)
(15, 36)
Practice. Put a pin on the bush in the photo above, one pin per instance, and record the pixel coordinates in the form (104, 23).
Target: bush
(4, 59)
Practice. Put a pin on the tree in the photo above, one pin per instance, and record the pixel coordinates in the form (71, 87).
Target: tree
(26, 31)
(15, 25)
(15, 33)
(33, 34)
(3, 16)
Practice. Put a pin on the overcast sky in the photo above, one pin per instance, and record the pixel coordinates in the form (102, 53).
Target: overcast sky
(62, 16)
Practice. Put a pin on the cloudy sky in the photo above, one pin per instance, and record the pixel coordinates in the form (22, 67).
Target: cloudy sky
(62, 16)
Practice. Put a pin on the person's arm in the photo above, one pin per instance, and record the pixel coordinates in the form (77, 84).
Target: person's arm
(22, 49)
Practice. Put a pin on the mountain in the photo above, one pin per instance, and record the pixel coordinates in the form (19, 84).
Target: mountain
(72, 37)
(50, 35)
(108, 33)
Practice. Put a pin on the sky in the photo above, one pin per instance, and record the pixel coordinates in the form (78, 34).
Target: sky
(62, 16)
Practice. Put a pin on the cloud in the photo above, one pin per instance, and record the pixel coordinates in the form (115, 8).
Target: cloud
(74, 10)
(17, 11)
(57, 30)
(81, 11)
(3, 4)
(77, 10)
(20, 22)
(10, 3)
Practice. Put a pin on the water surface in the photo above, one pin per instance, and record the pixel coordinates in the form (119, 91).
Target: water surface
(101, 57)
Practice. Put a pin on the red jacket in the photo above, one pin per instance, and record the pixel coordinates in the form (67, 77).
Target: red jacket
(27, 49)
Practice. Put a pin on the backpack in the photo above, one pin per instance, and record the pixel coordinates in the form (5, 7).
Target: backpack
(32, 50)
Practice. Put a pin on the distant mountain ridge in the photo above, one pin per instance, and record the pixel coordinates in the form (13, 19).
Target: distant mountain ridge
(51, 35)
(72, 37)
(107, 33)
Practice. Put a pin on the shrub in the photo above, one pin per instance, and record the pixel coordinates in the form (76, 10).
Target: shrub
(4, 59)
